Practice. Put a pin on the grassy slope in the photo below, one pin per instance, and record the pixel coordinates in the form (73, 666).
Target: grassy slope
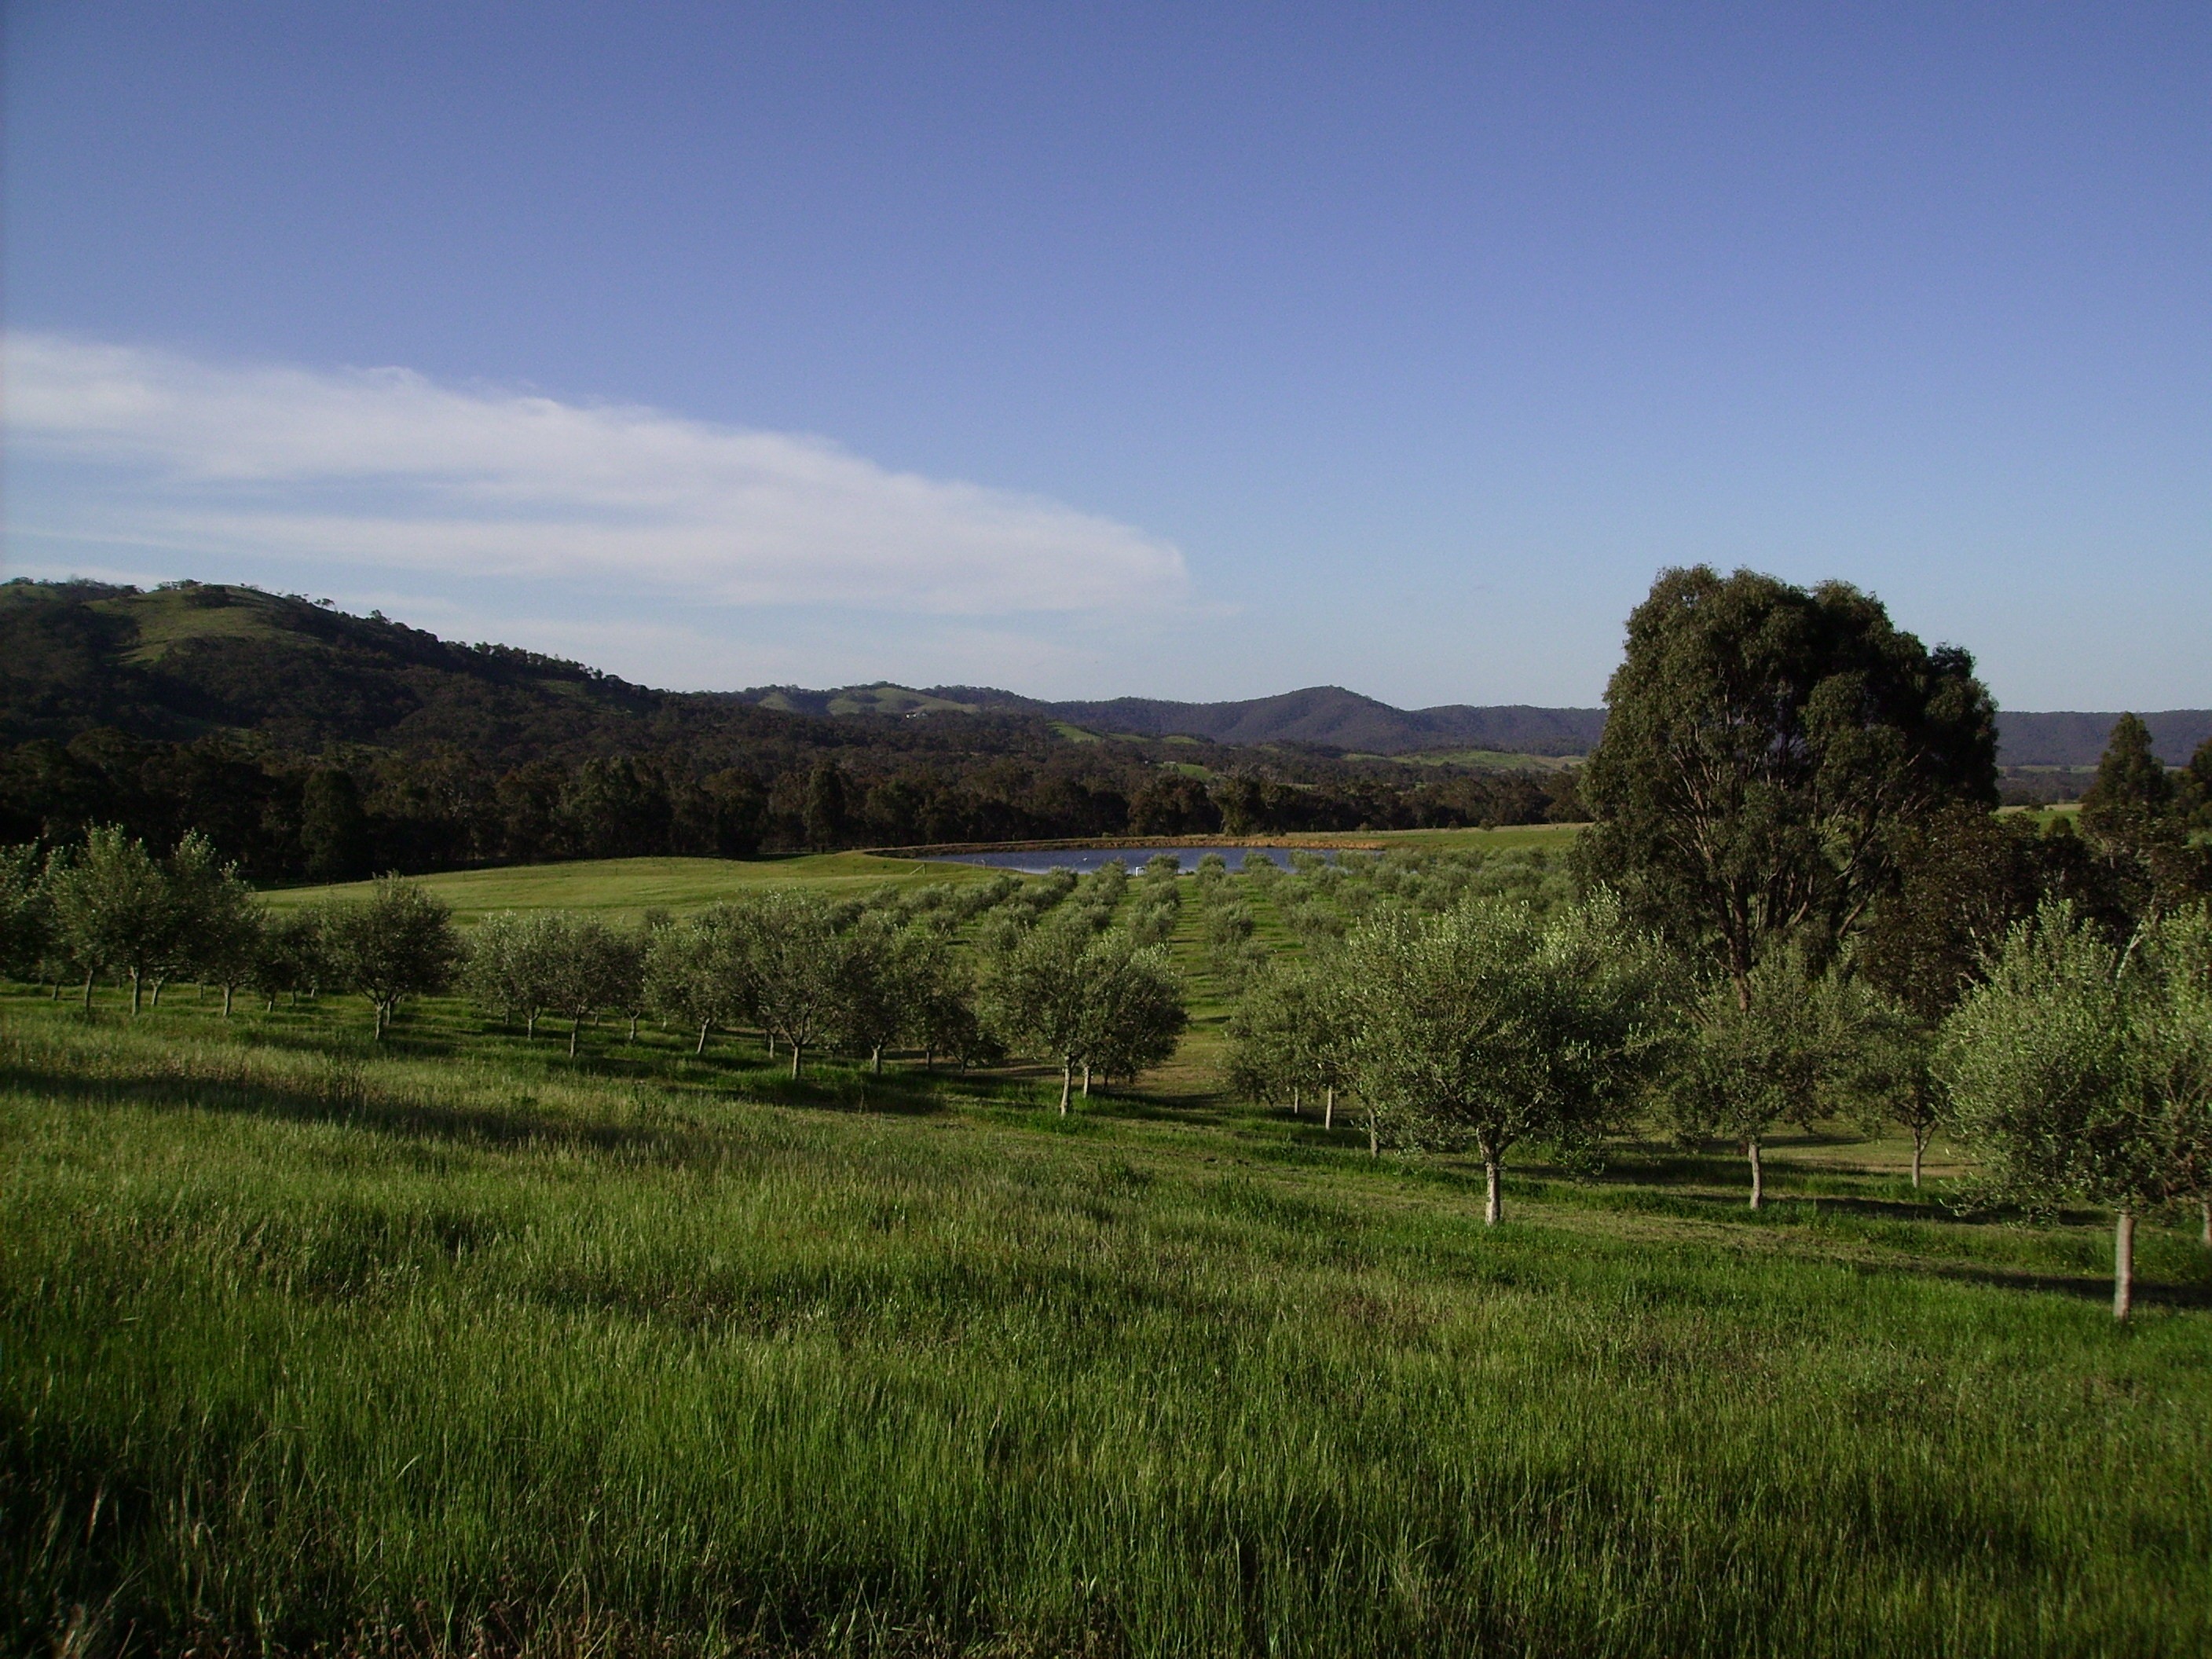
(305, 1340)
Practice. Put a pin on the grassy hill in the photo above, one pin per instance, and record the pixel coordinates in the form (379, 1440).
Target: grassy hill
(456, 1346)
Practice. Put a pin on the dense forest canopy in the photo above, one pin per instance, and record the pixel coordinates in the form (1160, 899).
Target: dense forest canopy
(307, 742)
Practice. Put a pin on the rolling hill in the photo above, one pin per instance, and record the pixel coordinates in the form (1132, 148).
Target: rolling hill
(189, 658)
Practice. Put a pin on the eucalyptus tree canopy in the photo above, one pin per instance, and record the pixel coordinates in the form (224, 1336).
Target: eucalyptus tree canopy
(1761, 743)
(2137, 819)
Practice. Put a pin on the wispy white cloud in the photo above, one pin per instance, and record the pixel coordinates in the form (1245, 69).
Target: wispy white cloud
(385, 469)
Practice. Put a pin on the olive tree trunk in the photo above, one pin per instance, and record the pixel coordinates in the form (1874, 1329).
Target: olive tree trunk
(795, 1052)
(1328, 1107)
(1758, 1173)
(2123, 1265)
(1919, 1146)
(1067, 1083)
(1491, 1209)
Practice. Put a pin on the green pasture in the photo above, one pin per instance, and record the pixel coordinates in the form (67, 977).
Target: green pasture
(623, 889)
(455, 1347)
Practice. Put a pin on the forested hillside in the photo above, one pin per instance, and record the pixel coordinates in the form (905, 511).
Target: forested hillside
(305, 741)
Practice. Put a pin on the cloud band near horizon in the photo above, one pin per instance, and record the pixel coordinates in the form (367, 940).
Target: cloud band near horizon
(386, 468)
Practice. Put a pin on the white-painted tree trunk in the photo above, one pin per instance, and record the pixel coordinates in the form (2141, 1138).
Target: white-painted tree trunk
(1492, 1208)
(1758, 1173)
(2123, 1265)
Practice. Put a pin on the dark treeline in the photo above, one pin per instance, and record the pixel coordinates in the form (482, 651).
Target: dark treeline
(342, 815)
(307, 744)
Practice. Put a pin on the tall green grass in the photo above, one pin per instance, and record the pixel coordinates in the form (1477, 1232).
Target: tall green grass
(307, 1345)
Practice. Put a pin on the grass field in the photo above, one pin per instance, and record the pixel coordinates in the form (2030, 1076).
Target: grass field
(451, 1344)
(623, 889)
(457, 1347)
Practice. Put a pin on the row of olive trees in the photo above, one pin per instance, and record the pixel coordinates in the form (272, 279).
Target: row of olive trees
(2076, 1069)
(1057, 982)
(111, 907)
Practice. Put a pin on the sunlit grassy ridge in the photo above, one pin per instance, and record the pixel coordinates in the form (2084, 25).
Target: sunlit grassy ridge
(459, 1342)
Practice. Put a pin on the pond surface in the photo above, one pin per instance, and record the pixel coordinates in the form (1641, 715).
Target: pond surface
(1085, 860)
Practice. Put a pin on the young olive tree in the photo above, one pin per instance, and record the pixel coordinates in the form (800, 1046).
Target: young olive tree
(1754, 1055)
(870, 985)
(512, 966)
(1134, 1013)
(2081, 1070)
(398, 943)
(1292, 1032)
(1036, 995)
(215, 918)
(25, 918)
(1496, 1024)
(1883, 1057)
(111, 908)
(588, 958)
(291, 957)
(795, 950)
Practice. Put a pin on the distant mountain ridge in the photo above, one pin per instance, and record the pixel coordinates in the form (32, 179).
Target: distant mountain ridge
(1337, 718)
(1327, 715)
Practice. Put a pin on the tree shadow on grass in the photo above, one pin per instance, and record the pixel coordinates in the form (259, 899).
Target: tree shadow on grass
(343, 1098)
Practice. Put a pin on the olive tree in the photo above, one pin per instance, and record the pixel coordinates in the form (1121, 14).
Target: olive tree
(1036, 995)
(870, 985)
(1751, 1056)
(398, 943)
(112, 909)
(1291, 1032)
(1496, 1024)
(512, 967)
(26, 916)
(2082, 1070)
(216, 920)
(291, 957)
(1133, 1012)
(794, 948)
(700, 971)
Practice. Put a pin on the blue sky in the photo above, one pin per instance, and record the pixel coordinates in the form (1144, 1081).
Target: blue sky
(1186, 351)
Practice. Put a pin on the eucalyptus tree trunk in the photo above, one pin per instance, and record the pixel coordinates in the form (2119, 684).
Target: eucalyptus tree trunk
(2123, 1265)
(1758, 1173)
